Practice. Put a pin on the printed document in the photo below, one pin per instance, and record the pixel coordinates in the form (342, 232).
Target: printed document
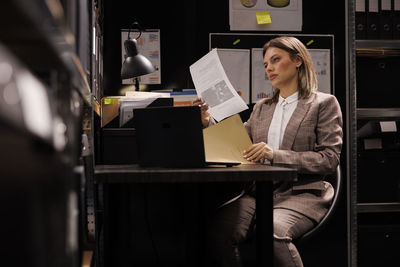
(214, 87)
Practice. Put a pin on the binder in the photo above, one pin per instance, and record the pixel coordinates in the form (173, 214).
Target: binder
(373, 19)
(361, 20)
(385, 22)
(396, 19)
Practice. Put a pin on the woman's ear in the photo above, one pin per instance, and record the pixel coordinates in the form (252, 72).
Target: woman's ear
(298, 61)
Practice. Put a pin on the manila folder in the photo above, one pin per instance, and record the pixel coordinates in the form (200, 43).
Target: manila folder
(226, 141)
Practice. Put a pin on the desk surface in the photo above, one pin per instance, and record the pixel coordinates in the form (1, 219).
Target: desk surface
(241, 173)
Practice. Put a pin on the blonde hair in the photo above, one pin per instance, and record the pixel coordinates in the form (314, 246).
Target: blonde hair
(306, 73)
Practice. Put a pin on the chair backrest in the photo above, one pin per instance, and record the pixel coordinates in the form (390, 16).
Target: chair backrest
(336, 181)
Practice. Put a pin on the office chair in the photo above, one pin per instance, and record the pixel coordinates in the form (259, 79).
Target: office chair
(336, 181)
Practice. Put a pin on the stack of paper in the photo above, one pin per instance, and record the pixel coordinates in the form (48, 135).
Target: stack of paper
(181, 98)
(141, 94)
(134, 100)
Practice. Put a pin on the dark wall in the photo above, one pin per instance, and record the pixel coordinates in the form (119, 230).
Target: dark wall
(185, 28)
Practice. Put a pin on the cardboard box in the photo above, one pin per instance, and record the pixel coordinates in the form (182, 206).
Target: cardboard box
(109, 109)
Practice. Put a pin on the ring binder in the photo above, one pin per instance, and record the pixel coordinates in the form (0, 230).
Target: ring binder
(361, 29)
(373, 19)
(396, 19)
(386, 24)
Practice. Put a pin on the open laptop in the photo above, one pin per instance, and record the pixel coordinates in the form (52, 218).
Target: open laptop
(171, 137)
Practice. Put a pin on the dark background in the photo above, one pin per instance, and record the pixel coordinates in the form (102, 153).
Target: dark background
(184, 29)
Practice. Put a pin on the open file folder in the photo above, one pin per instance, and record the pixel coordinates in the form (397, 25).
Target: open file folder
(226, 141)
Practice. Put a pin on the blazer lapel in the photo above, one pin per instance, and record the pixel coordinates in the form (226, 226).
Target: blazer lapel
(267, 114)
(298, 115)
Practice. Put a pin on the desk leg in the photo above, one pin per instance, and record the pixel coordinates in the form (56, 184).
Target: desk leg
(264, 207)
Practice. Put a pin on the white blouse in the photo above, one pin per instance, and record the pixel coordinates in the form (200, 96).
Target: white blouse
(282, 114)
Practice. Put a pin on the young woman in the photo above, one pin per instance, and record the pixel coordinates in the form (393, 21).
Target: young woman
(298, 127)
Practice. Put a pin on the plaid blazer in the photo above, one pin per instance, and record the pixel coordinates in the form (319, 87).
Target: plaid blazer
(312, 143)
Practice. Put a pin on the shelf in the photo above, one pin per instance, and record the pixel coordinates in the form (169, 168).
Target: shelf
(378, 113)
(37, 33)
(378, 207)
(382, 44)
(96, 106)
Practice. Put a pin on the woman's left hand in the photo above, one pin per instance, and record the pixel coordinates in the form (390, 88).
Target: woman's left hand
(258, 151)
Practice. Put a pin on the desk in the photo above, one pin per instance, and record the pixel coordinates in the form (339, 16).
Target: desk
(263, 175)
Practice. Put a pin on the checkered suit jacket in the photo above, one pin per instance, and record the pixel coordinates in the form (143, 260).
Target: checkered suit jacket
(312, 143)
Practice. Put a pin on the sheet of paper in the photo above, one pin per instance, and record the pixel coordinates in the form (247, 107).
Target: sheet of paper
(236, 64)
(134, 100)
(226, 141)
(261, 87)
(214, 87)
(141, 94)
(127, 105)
(388, 126)
(322, 64)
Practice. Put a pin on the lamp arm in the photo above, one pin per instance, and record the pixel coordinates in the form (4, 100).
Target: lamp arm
(136, 25)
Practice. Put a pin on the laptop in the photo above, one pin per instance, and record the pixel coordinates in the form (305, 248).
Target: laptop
(171, 137)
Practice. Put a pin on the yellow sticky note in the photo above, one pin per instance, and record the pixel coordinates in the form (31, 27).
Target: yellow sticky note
(108, 101)
(263, 17)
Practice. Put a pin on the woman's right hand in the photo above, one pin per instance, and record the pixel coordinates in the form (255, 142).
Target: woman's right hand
(205, 116)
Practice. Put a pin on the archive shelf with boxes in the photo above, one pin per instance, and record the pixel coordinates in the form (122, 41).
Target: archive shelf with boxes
(376, 188)
(44, 90)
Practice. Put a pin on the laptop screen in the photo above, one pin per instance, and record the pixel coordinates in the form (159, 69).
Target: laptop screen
(170, 137)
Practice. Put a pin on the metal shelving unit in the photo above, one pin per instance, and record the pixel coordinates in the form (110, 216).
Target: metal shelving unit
(378, 207)
(364, 213)
(378, 113)
(41, 27)
(374, 44)
(351, 134)
(39, 178)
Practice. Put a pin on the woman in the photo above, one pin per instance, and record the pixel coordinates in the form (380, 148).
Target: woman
(298, 127)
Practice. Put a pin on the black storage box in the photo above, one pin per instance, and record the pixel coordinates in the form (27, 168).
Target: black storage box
(378, 245)
(375, 86)
(378, 239)
(118, 146)
(378, 176)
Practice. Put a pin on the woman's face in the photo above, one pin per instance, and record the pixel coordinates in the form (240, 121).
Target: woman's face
(280, 68)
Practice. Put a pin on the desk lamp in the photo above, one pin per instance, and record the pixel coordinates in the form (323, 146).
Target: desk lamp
(135, 64)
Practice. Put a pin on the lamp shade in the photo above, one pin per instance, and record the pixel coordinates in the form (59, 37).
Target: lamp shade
(134, 64)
